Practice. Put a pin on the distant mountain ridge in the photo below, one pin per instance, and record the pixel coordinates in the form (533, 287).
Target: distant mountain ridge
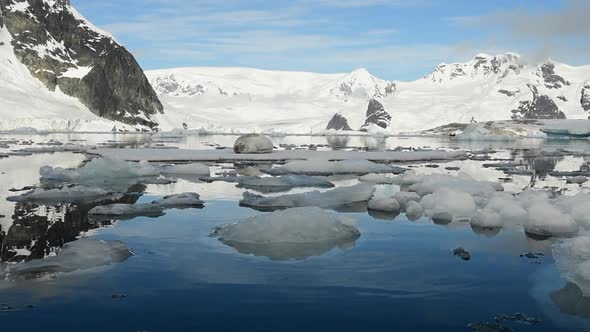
(485, 88)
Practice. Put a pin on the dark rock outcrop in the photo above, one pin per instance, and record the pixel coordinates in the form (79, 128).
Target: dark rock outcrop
(585, 100)
(377, 115)
(508, 92)
(65, 52)
(539, 107)
(550, 78)
(338, 122)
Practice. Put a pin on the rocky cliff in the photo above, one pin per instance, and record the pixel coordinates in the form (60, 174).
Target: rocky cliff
(67, 53)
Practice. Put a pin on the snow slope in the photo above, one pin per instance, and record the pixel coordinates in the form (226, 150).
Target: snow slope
(485, 88)
(26, 102)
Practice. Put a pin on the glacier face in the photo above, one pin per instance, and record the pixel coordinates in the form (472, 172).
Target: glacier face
(486, 88)
(52, 50)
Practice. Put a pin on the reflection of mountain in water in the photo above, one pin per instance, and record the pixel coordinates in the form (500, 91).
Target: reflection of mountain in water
(542, 165)
(288, 251)
(39, 230)
(571, 301)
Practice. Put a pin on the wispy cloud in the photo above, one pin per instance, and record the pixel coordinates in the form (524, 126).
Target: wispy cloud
(395, 38)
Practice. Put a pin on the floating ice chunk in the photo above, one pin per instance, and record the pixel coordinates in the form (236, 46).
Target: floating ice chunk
(376, 178)
(572, 258)
(99, 168)
(448, 205)
(384, 204)
(180, 200)
(546, 220)
(297, 225)
(58, 174)
(567, 128)
(484, 219)
(414, 210)
(330, 199)
(75, 194)
(508, 209)
(427, 184)
(577, 206)
(174, 133)
(404, 197)
(127, 210)
(285, 182)
(325, 167)
(78, 255)
(186, 169)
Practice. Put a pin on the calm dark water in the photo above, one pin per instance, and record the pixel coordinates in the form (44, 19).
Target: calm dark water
(398, 276)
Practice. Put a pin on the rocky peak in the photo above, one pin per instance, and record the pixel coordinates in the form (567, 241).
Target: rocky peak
(338, 122)
(66, 52)
(482, 65)
(585, 100)
(551, 80)
(170, 86)
(538, 107)
(376, 115)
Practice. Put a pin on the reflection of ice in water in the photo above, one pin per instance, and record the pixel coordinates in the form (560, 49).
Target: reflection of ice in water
(78, 255)
(24, 171)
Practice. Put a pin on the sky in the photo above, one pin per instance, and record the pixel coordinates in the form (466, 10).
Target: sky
(393, 39)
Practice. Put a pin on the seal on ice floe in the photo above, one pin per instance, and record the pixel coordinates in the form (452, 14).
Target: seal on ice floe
(253, 143)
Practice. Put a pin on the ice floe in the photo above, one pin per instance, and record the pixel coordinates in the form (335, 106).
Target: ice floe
(334, 198)
(127, 210)
(414, 211)
(325, 167)
(296, 225)
(425, 184)
(384, 204)
(186, 169)
(186, 155)
(447, 205)
(180, 200)
(285, 182)
(376, 178)
(547, 220)
(73, 194)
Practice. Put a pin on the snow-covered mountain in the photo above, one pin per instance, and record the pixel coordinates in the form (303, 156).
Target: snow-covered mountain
(485, 88)
(59, 72)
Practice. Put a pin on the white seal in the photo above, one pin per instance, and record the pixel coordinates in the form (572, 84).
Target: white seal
(253, 143)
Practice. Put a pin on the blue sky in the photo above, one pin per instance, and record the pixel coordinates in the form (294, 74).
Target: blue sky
(394, 39)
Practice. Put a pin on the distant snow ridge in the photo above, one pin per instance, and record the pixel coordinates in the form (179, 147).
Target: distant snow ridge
(485, 88)
(497, 67)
